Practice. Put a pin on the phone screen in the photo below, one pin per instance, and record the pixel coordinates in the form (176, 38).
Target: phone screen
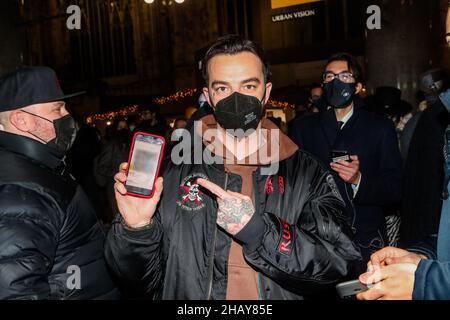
(144, 164)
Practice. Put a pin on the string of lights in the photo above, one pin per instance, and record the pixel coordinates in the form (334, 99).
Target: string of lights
(175, 97)
(164, 2)
(280, 104)
(113, 114)
(133, 109)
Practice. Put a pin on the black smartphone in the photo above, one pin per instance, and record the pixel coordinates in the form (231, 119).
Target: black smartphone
(340, 155)
(350, 289)
(144, 161)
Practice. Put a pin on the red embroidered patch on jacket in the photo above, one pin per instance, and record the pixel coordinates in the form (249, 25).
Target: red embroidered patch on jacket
(281, 184)
(287, 238)
(269, 186)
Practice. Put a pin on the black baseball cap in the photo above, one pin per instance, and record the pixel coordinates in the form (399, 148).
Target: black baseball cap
(30, 85)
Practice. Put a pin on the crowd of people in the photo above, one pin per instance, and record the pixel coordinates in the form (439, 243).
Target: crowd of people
(351, 188)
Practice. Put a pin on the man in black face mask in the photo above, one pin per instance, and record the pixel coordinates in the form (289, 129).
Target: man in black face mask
(50, 241)
(247, 225)
(370, 177)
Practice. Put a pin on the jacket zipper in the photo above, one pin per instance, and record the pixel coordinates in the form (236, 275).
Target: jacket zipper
(211, 261)
(255, 199)
(261, 296)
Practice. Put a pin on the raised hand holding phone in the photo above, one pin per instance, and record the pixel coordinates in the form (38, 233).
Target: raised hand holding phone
(137, 212)
(348, 171)
(137, 188)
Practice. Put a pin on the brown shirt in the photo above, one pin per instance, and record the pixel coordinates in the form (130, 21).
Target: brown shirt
(242, 279)
(243, 282)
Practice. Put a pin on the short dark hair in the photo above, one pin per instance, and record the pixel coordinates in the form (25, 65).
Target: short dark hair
(353, 64)
(232, 45)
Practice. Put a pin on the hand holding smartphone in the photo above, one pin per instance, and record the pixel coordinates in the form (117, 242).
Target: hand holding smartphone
(340, 155)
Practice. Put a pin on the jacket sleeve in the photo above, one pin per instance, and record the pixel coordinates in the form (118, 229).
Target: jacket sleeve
(313, 251)
(383, 187)
(28, 241)
(427, 247)
(432, 281)
(135, 258)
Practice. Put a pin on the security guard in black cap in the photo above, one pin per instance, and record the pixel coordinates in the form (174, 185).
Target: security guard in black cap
(51, 244)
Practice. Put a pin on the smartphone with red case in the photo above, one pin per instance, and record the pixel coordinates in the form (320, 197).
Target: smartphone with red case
(144, 163)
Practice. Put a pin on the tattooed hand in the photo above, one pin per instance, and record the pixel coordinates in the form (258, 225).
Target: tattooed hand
(235, 209)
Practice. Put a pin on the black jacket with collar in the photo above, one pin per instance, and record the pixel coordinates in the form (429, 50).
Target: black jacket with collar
(49, 232)
(374, 140)
(298, 239)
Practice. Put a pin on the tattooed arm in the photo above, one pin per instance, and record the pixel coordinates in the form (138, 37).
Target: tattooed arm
(235, 209)
(234, 213)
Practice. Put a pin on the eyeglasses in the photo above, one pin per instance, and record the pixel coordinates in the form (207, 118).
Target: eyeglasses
(345, 76)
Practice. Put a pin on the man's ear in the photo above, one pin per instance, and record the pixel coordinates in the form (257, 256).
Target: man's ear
(268, 91)
(208, 99)
(359, 87)
(20, 120)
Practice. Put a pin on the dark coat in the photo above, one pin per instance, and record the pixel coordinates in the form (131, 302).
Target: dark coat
(433, 274)
(373, 139)
(424, 177)
(48, 228)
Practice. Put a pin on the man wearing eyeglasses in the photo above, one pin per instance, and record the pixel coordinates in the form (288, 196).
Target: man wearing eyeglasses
(359, 147)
